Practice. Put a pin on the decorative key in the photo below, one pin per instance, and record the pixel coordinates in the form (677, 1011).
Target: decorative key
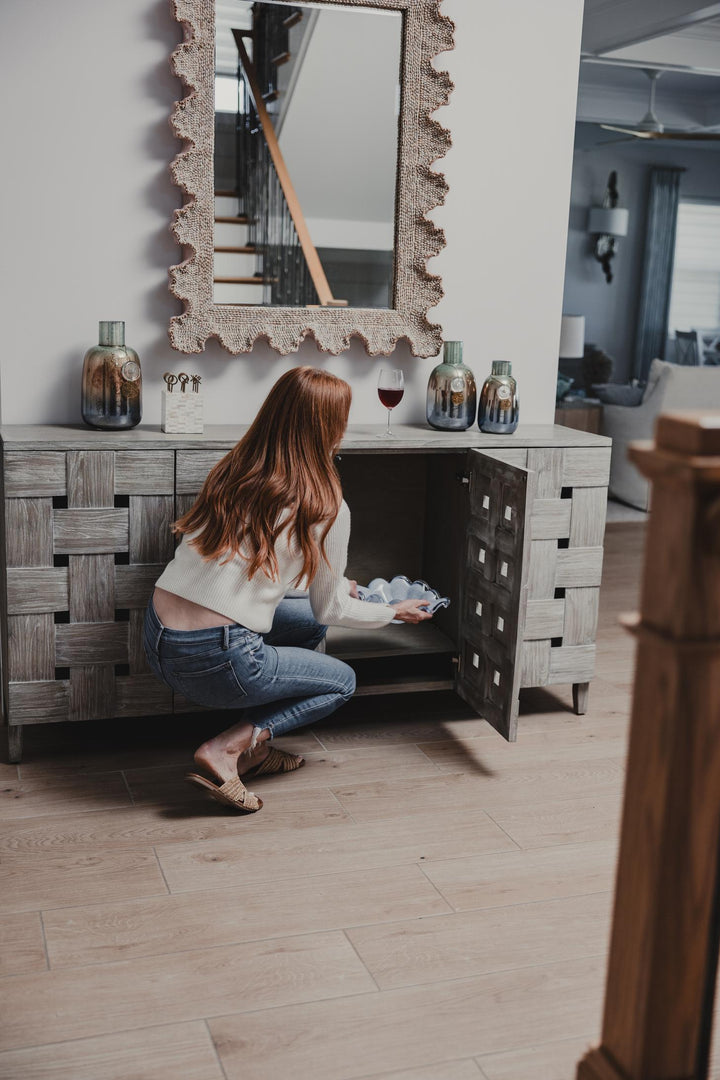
(196, 380)
(170, 380)
(183, 379)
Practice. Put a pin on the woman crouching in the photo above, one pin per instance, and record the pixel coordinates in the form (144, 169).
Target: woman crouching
(220, 628)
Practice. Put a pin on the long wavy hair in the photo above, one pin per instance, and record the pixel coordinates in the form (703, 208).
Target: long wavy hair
(281, 474)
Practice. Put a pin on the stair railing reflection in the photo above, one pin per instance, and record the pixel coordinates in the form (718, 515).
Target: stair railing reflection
(286, 258)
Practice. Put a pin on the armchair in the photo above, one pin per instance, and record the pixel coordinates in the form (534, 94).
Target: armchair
(670, 387)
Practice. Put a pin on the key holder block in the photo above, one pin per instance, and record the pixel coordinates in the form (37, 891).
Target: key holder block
(182, 413)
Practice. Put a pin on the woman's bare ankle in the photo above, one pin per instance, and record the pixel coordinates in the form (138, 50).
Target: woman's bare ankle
(222, 763)
(220, 755)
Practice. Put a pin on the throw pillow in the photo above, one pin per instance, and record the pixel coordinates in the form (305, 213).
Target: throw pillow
(616, 394)
(563, 385)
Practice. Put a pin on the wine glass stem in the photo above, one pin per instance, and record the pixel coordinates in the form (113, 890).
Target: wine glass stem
(388, 427)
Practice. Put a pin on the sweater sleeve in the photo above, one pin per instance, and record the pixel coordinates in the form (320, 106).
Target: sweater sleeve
(330, 596)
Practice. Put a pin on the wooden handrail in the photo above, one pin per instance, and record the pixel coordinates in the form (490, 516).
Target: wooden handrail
(319, 280)
(663, 954)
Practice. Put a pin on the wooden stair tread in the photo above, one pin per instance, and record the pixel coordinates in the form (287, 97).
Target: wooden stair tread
(248, 249)
(225, 193)
(241, 281)
(293, 19)
(236, 220)
(281, 58)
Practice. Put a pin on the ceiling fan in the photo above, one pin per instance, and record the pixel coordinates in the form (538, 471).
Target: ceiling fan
(650, 127)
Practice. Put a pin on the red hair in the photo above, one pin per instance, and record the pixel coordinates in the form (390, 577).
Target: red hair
(284, 462)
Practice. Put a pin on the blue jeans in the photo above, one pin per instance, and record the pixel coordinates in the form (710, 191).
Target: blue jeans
(276, 679)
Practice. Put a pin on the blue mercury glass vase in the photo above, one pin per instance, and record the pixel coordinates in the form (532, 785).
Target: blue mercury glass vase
(451, 392)
(111, 381)
(499, 410)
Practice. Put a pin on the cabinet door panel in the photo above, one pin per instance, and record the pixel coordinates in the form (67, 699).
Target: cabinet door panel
(495, 589)
(139, 473)
(192, 466)
(586, 466)
(33, 474)
(150, 537)
(29, 532)
(589, 507)
(90, 478)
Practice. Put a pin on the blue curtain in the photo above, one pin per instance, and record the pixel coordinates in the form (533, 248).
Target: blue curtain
(652, 325)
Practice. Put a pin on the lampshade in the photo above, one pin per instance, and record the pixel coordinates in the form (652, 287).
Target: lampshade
(572, 337)
(608, 221)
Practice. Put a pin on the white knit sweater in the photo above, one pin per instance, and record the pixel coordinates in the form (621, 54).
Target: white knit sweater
(224, 586)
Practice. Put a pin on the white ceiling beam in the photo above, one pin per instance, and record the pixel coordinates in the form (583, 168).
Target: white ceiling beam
(711, 116)
(620, 105)
(615, 24)
(647, 65)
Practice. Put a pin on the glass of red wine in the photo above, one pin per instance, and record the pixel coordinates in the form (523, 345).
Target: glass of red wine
(391, 387)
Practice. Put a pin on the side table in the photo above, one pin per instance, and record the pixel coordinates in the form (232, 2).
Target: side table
(582, 414)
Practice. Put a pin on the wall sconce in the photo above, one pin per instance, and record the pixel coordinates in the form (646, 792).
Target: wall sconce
(605, 223)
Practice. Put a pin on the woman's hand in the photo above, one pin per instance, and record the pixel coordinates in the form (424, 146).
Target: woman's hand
(354, 589)
(412, 611)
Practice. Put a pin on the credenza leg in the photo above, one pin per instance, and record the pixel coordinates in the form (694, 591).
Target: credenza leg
(581, 692)
(14, 739)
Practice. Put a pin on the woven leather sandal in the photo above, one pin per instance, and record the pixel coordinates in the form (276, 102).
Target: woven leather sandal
(231, 793)
(277, 761)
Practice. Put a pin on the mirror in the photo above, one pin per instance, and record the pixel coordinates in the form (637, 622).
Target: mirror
(307, 170)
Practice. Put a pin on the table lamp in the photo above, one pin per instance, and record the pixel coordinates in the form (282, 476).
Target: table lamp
(572, 346)
(572, 337)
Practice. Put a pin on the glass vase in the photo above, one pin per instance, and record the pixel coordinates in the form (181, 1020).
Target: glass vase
(451, 392)
(499, 410)
(111, 381)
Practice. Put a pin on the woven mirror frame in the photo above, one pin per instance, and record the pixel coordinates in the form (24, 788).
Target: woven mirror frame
(422, 141)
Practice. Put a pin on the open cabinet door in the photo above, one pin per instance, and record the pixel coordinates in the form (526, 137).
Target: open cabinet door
(494, 589)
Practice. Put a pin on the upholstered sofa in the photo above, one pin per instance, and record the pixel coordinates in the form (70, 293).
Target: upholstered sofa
(669, 387)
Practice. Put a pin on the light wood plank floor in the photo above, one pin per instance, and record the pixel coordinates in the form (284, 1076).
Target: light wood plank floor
(421, 902)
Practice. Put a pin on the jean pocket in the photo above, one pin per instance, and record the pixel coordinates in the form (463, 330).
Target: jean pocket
(151, 656)
(215, 687)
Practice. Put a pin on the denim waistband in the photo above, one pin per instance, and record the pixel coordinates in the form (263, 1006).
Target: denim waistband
(213, 635)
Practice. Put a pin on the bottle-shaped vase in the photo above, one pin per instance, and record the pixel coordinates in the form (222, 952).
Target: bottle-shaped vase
(499, 408)
(111, 381)
(451, 392)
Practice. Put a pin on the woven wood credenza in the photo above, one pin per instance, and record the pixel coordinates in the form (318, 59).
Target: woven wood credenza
(510, 527)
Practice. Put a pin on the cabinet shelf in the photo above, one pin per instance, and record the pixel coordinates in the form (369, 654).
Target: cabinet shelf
(396, 659)
(407, 684)
(399, 641)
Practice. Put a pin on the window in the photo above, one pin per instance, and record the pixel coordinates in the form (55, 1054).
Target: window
(226, 93)
(695, 291)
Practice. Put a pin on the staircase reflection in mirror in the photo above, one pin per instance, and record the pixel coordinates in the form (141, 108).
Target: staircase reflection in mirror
(307, 101)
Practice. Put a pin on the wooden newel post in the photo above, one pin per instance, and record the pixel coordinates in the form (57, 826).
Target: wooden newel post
(662, 961)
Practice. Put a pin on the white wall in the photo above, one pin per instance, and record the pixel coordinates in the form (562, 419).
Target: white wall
(88, 201)
(343, 109)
